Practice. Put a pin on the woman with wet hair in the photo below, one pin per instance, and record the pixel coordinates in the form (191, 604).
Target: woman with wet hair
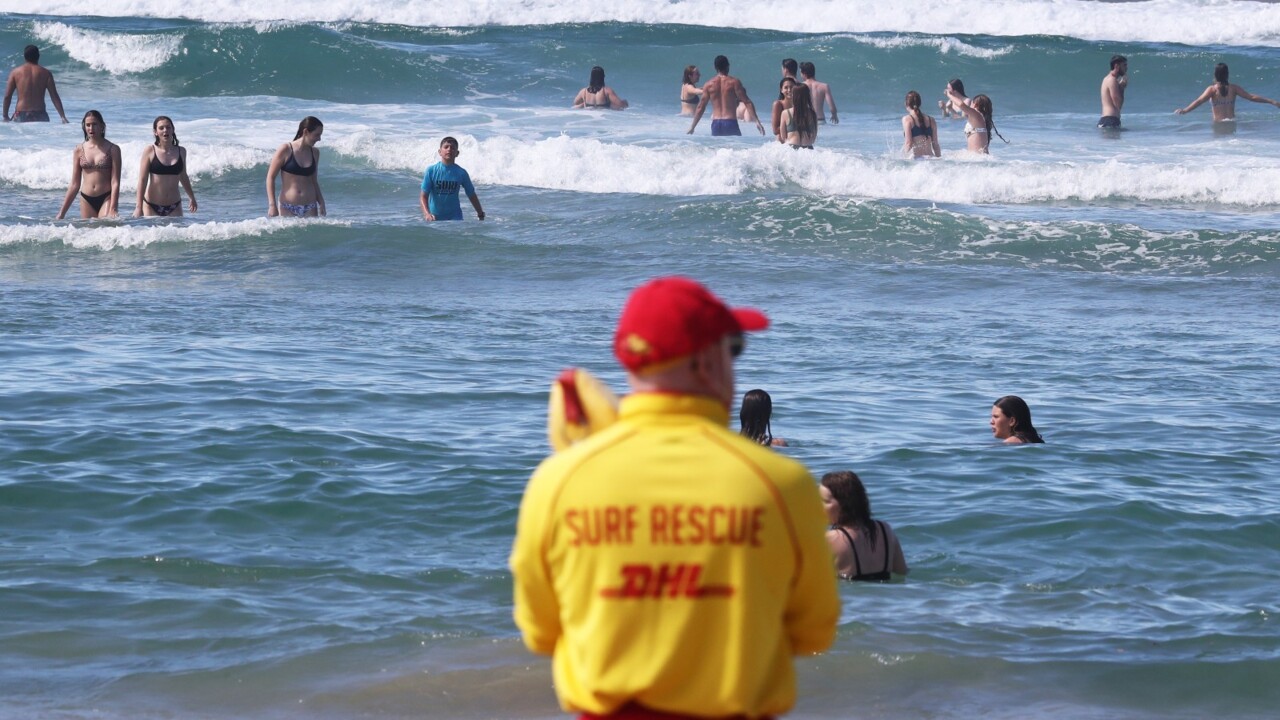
(1011, 421)
(864, 549)
(95, 171)
(690, 93)
(757, 408)
(163, 169)
(597, 95)
(950, 107)
(1221, 96)
(979, 125)
(800, 121)
(298, 165)
(785, 85)
(919, 131)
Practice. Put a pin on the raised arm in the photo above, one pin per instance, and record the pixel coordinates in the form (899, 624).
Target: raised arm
(1253, 98)
(1208, 93)
(974, 117)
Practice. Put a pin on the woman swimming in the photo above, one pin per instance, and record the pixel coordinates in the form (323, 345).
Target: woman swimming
(95, 171)
(163, 169)
(1222, 96)
(757, 408)
(298, 165)
(864, 549)
(1011, 421)
(598, 95)
(919, 131)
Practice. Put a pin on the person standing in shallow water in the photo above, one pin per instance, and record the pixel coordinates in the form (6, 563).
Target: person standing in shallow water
(298, 165)
(753, 418)
(1114, 84)
(441, 183)
(30, 81)
(163, 169)
(1011, 421)
(95, 171)
(1222, 95)
(724, 92)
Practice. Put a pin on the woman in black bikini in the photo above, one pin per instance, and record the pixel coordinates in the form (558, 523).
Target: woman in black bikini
(597, 95)
(95, 171)
(297, 163)
(919, 131)
(164, 166)
(690, 93)
(865, 549)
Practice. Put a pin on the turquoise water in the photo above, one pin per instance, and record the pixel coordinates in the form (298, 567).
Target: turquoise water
(252, 468)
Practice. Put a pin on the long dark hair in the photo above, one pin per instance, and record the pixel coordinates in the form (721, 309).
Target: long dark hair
(156, 123)
(308, 124)
(781, 95)
(982, 104)
(855, 507)
(688, 75)
(957, 85)
(802, 112)
(757, 408)
(1016, 408)
(97, 116)
(1220, 73)
(913, 107)
(597, 80)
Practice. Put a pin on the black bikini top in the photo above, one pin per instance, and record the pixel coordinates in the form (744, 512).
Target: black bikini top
(292, 167)
(882, 576)
(158, 168)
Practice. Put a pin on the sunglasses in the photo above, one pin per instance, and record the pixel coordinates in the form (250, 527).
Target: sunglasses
(737, 343)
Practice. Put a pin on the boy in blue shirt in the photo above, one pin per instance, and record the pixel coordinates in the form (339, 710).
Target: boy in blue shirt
(440, 185)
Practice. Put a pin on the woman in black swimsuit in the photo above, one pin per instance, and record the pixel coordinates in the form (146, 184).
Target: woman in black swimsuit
(597, 95)
(164, 167)
(865, 549)
(690, 93)
(95, 171)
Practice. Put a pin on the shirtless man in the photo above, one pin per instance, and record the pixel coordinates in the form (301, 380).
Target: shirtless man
(1113, 85)
(789, 69)
(821, 93)
(725, 92)
(31, 81)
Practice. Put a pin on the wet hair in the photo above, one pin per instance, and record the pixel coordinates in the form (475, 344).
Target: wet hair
(688, 75)
(790, 66)
(957, 85)
(597, 80)
(806, 69)
(913, 106)
(309, 123)
(1016, 408)
(757, 408)
(802, 112)
(1117, 59)
(851, 497)
(722, 64)
(1220, 73)
(156, 123)
(449, 140)
(781, 83)
(31, 53)
(97, 116)
(982, 104)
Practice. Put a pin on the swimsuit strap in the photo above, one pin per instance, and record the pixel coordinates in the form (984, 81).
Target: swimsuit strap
(885, 537)
(857, 566)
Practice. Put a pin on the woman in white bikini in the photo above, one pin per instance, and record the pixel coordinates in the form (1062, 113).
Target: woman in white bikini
(298, 164)
(1222, 97)
(979, 125)
(95, 171)
(163, 169)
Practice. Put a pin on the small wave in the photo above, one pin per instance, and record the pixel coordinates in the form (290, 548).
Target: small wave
(47, 168)
(110, 235)
(1192, 22)
(115, 53)
(944, 45)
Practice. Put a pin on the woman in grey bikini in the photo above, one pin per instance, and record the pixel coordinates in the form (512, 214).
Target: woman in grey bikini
(298, 164)
(95, 171)
(163, 169)
(1222, 95)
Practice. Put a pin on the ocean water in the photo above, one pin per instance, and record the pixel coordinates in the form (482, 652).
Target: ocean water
(262, 469)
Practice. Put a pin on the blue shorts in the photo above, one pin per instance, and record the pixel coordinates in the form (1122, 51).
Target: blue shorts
(725, 127)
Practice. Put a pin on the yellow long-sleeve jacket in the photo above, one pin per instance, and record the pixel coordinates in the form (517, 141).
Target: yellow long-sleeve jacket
(670, 562)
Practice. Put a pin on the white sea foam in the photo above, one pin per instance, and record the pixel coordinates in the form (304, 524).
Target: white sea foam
(49, 168)
(138, 233)
(1193, 22)
(116, 53)
(944, 45)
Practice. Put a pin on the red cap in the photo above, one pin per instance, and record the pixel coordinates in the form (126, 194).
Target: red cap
(672, 317)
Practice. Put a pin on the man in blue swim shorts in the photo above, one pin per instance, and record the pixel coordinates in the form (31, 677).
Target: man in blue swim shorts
(725, 92)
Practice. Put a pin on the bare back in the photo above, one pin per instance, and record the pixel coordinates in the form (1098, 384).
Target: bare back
(1112, 92)
(31, 82)
(822, 98)
(725, 92)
